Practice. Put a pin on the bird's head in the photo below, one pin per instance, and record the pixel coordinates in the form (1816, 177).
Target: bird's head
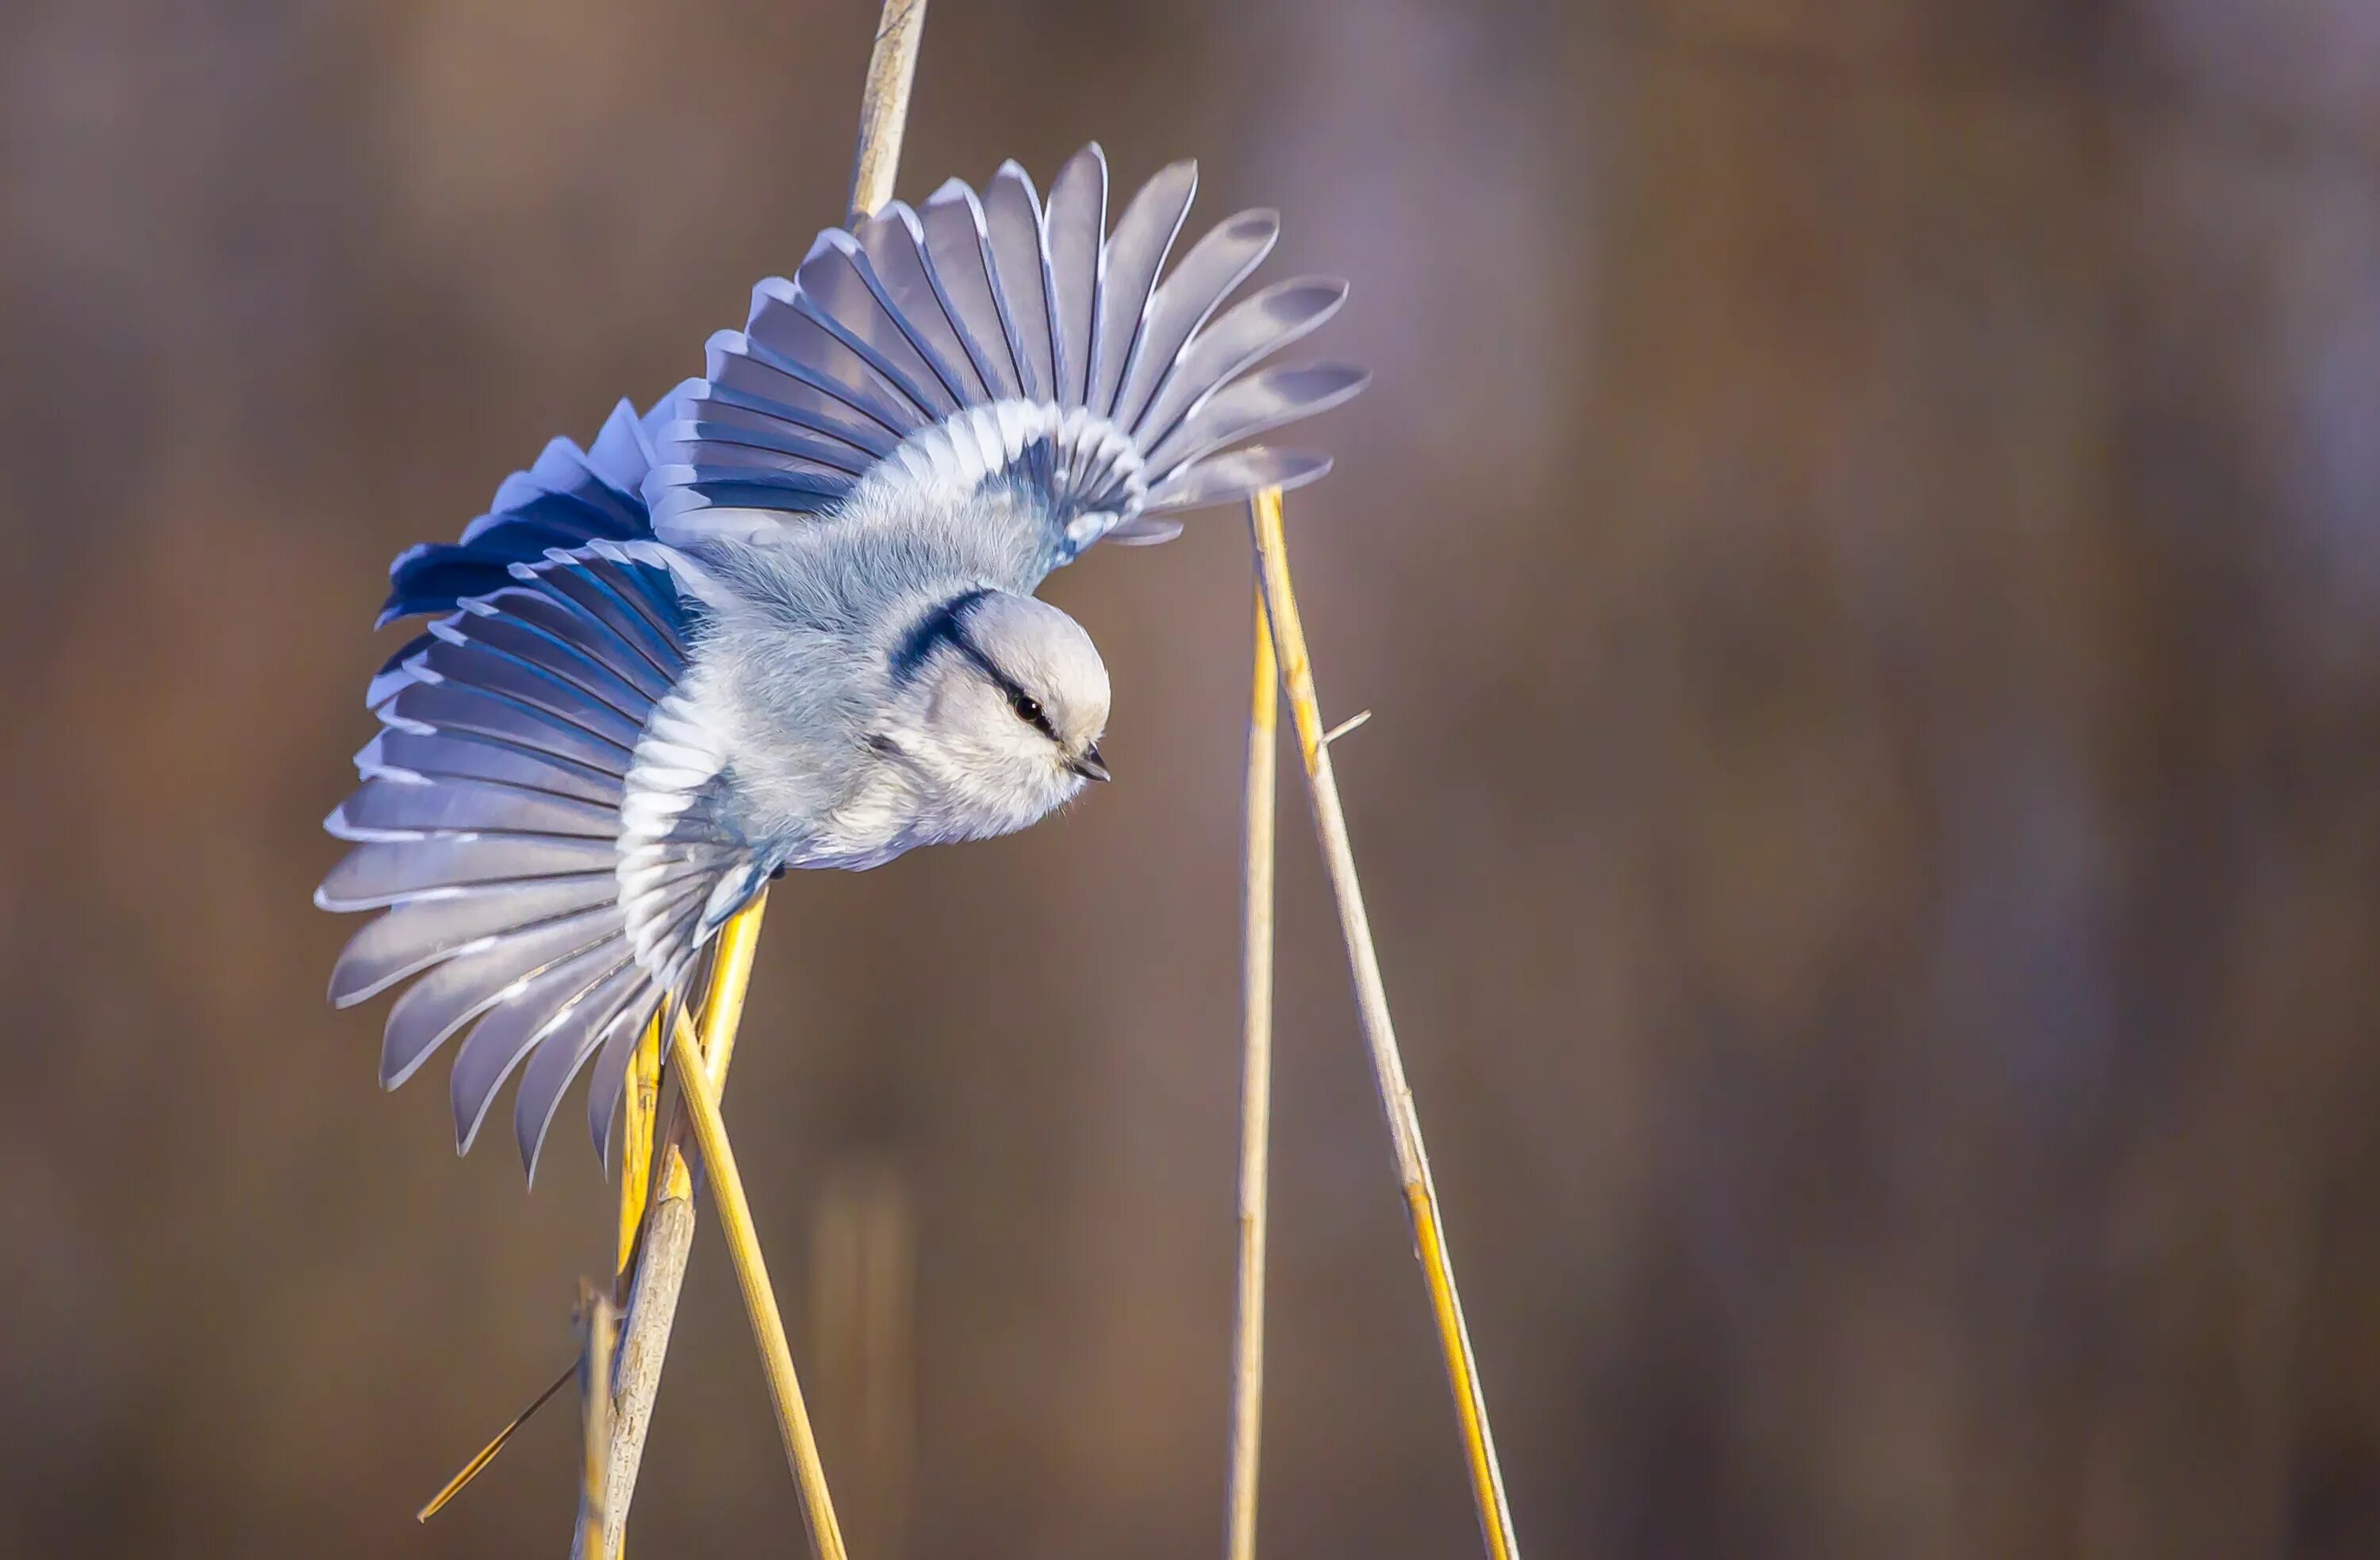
(1001, 704)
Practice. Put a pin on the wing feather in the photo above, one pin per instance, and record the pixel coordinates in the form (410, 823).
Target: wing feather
(420, 757)
(1245, 407)
(1135, 254)
(378, 873)
(1012, 212)
(603, 676)
(412, 936)
(453, 993)
(489, 823)
(474, 663)
(1073, 221)
(896, 244)
(837, 287)
(391, 809)
(946, 329)
(1185, 301)
(959, 263)
(493, 715)
(561, 1047)
(1248, 332)
(1220, 479)
(531, 1010)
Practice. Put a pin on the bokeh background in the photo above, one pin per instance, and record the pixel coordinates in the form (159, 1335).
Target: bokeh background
(1864, 548)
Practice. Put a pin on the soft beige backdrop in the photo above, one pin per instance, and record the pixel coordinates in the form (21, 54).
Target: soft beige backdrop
(1864, 550)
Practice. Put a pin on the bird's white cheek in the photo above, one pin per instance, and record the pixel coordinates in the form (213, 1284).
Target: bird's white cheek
(1032, 789)
(1060, 786)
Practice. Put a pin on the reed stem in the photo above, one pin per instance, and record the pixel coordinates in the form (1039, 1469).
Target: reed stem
(598, 1325)
(1255, 1091)
(639, 1107)
(744, 1250)
(1372, 1004)
(884, 104)
(667, 1235)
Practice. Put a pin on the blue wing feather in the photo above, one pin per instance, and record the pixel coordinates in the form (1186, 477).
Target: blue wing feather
(925, 320)
(488, 827)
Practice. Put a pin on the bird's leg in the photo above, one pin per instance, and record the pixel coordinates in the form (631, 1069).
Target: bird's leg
(1372, 1002)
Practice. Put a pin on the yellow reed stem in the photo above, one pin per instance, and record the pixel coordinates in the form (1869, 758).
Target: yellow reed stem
(668, 1229)
(1255, 1091)
(1470, 1408)
(665, 1236)
(638, 1108)
(1372, 1004)
(744, 1250)
(722, 1017)
(598, 1322)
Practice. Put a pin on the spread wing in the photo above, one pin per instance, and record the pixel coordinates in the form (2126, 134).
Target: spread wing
(542, 882)
(991, 337)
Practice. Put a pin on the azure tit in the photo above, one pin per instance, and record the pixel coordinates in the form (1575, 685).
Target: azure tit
(785, 618)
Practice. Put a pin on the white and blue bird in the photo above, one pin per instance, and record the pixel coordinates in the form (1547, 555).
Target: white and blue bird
(785, 618)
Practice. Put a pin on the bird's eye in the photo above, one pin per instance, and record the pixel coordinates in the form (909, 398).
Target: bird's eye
(1028, 709)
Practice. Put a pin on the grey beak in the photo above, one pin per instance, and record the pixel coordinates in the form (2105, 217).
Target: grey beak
(1092, 764)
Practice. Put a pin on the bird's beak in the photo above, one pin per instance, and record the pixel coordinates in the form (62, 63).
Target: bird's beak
(1090, 764)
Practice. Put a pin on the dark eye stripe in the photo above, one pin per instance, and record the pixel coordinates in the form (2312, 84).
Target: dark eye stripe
(946, 624)
(1028, 709)
(1017, 697)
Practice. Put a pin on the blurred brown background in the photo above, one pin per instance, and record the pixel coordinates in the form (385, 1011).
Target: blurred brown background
(1865, 548)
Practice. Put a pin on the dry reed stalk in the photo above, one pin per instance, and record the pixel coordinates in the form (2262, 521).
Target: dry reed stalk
(667, 1233)
(884, 104)
(752, 1275)
(639, 1106)
(597, 1323)
(1372, 1003)
(666, 1239)
(1255, 1089)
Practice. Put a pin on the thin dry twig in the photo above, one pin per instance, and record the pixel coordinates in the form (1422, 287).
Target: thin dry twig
(638, 1110)
(1255, 1091)
(487, 1454)
(1372, 1002)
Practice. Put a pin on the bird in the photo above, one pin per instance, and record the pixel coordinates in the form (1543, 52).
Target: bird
(785, 616)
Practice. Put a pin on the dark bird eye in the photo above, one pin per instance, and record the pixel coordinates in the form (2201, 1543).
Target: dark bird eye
(1028, 709)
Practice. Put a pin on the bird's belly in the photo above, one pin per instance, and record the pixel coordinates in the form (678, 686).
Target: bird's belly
(880, 822)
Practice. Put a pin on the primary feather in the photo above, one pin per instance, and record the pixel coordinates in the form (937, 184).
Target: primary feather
(785, 617)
